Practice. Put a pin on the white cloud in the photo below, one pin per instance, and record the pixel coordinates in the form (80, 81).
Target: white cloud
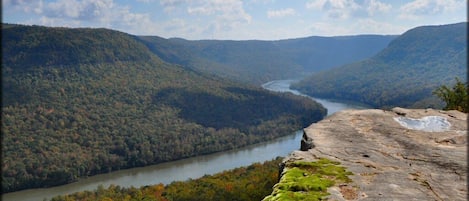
(359, 26)
(16, 2)
(26, 6)
(316, 4)
(209, 17)
(415, 9)
(172, 5)
(173, 2)
(76, 13)
(95, 11)
(345, 9)
(229, 9)
(280, 13)
(375, 6)
(175, 24)
(336, 9)
(237, 19)
(263, 1)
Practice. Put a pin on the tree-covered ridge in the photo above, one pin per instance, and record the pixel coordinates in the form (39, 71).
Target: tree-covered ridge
(27, 46)
(80, 116)
(404, 74)
(257, 61)
(253, 182)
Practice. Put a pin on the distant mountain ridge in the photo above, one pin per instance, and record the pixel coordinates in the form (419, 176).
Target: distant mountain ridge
(403, 74)
(256, 61)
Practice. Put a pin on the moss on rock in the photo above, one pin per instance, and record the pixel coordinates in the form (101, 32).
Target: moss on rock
(304, 180)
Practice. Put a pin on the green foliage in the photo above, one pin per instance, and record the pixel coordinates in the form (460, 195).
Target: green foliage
(113, 192)
(219, 112)
(245, 183)
(63, 119)
(404, 74)
(29, 46)
(454, 97)
(308, 180)
(261, 61)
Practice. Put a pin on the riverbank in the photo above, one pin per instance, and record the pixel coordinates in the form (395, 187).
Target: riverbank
(168, 172)
(187, 168)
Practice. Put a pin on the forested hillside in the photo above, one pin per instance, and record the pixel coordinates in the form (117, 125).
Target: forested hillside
(79, 102)
(257, 61)
(404, 74)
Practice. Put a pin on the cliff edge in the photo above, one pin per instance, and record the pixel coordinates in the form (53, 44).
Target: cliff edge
(402, 154)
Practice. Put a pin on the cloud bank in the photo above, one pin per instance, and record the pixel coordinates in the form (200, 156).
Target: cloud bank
(237, 19)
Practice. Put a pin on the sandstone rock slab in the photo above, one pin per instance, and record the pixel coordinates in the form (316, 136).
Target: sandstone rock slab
(390, 161)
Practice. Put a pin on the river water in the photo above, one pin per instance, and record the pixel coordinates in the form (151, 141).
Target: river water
(180, 170)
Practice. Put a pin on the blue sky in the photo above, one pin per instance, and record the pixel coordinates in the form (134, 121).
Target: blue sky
(238, 19)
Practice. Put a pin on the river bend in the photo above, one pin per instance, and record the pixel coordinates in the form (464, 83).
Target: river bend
(194, 167)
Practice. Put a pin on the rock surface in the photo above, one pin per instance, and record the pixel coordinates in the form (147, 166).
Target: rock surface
(390, 161)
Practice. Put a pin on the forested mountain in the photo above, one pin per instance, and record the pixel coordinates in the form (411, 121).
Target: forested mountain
(257, 61)
(79, 102)
(403, 74)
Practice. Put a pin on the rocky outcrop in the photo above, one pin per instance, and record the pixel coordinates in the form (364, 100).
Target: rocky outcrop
(392, 154)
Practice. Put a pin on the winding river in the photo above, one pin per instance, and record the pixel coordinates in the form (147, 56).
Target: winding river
(187, 168)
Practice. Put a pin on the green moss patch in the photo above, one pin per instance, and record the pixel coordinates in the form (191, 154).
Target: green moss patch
(308, 180)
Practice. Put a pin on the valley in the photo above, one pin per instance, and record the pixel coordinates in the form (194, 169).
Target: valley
(111, 104)
(258, 61)
(184, 169)
(86, 107)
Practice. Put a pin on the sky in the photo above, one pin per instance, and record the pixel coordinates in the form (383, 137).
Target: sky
(238, 19)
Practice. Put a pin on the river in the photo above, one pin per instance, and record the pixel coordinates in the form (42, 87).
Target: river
(186, 168)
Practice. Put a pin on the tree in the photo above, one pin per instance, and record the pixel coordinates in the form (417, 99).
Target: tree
(455, 97)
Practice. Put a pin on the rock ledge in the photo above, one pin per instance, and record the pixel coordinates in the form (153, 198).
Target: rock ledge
(390, 161)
